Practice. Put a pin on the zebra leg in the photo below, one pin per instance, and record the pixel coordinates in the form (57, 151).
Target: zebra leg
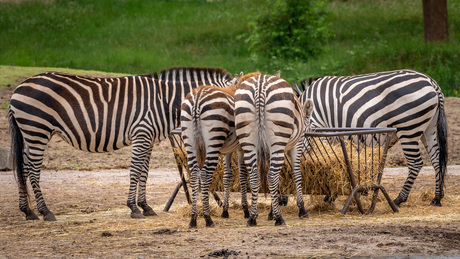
(34, 156)
(414, 162)
(270, 214)
(431, 145)
(295, 154)
(23, 196)
(243, 183)
(141, 200)
(206, 179)
(228, 175)
(254, 181)
(195, 185)
(276, 163)
(141, 149)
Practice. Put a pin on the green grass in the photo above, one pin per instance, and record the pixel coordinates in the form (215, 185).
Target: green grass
(137, 37)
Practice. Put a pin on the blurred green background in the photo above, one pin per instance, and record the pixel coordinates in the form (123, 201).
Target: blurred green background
(138, 37)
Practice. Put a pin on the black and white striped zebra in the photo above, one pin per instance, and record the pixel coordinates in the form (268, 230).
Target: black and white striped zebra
(269, 121)
(407, 100)
(208, 130)
(99, 115)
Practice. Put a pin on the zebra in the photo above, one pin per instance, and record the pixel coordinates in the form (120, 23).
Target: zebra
(407, 100)
(208, 129)
(99, 115)
(269, 121)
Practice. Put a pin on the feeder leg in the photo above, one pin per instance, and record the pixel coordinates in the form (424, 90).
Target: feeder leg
(355, 195)
(184, 184)
(172, 198)
(390, 201)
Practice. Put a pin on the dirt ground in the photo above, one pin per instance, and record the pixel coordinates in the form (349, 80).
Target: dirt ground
(88, 192)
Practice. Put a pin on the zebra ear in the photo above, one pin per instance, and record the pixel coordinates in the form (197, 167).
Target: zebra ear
(308, 108)
(237, 78)
(278, 73)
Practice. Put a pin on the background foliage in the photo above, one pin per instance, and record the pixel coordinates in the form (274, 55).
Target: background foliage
(138, 37)
(295, 29)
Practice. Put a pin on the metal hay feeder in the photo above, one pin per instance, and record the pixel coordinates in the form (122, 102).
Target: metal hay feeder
(357, 151)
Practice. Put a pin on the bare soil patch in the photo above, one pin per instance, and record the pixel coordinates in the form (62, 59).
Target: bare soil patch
(93, 221)
(88, 192)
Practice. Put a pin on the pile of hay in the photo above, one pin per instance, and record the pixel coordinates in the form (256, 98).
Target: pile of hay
(324, 169)
(218, 176)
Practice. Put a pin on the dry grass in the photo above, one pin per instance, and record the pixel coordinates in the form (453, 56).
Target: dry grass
(94, 222)
(324, 170)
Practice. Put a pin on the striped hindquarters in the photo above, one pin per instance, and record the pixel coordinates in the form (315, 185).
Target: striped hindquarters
(267, 119)
(208, 123)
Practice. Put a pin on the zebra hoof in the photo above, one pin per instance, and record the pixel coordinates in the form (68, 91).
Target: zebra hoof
(280, 221)
(246, 213)
(225, 214)
(284, 198)
(252, 222)
(270, 216)
(209, 222)
(303, 213)
(436, 202)
(192, 223)
(137, 215)
(149, 213)
(49, 216)
(398, 201)
(30, 215)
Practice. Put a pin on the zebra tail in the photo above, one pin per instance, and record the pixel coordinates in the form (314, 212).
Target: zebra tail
(200, 148)
(263, 160)
(17, 151)
(442, 143)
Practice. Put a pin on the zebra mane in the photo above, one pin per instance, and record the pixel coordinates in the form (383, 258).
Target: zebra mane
(224, 75)
(304, 84)
(313, 79)
(231, 89)
(299, 89)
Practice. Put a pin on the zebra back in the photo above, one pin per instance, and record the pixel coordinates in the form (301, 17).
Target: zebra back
(99, 114)
(352, 101)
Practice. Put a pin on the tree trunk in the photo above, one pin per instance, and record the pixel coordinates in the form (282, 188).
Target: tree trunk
(435, 20)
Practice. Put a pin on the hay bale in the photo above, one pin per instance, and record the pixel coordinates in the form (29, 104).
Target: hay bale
(324, 170)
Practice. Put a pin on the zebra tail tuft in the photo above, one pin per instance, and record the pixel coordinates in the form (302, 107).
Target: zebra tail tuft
(17, 151)
(263, 160)
(442, 142)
